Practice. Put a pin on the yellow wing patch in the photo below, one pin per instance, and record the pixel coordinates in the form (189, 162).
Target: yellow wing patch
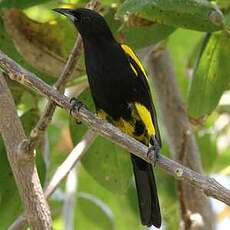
(146, 118)
(103, 115)
(129, 51)
(139, 112)
(123, 125)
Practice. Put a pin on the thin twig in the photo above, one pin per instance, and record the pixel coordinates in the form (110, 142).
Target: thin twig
(206, 185)
(22, 162)
(70, 198)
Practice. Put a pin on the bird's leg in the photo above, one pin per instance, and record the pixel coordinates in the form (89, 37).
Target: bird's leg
(76, 104)
(156, 149)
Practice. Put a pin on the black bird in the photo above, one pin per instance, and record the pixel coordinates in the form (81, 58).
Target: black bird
(121, 94)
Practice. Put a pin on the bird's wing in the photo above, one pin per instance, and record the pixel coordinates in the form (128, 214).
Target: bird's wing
(144, 106)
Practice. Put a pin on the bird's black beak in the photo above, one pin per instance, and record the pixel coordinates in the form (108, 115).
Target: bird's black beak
(67, 12)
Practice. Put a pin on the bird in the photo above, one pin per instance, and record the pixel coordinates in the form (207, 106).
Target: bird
(121, 94)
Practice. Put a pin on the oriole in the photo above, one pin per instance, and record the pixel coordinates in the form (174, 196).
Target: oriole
(121, 94)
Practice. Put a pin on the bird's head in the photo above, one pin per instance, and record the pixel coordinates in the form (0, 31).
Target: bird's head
(90, 24)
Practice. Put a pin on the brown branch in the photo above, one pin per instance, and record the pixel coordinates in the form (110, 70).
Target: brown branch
(61, 172)
(180, 138)
(23, 168)
(70, 66)
(206, 185)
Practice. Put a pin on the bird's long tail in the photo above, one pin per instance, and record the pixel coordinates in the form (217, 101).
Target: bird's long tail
(146, 192)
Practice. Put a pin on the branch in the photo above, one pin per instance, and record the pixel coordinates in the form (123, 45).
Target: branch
(70, 66)
(208, 186)
(61, 172)
(180, 138)
(70, 198)
(23, 168)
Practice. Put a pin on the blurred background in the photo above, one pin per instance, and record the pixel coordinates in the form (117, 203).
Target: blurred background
(99, 193)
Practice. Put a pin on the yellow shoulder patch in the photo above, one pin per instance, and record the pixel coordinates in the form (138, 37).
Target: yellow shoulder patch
(129, 51)
(146, 117)
(123, 125)
(139, 112)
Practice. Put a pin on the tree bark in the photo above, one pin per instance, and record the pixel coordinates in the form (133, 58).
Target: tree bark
(22, 162)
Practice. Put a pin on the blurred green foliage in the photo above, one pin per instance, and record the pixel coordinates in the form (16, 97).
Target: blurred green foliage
(197, 36)
(211, 76)
(197, 15)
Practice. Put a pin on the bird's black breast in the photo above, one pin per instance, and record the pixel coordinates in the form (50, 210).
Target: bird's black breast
(110, 78)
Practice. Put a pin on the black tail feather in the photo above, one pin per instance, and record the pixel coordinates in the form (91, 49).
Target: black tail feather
(146, 192)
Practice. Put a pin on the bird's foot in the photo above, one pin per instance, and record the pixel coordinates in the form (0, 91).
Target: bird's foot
(76, 105)
(154, 152)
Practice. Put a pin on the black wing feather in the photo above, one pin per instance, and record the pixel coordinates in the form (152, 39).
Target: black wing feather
(143, 172)
(148, 98)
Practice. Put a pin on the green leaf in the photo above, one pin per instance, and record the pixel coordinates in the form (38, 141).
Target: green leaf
(208, 150)
(29, 119)
(95, 212)
(191, 14)
(211, 77)
(140, 37)
(7, 46)
(106, 162)
(43, 40)
(222, 161)
(124, 215)
(20, 4)
(181, 45)
(29, 101)
(196, 51)
(227, 22)
(225, 4)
